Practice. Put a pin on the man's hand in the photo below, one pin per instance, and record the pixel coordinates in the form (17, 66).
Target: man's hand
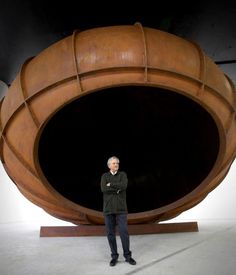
(108, 184)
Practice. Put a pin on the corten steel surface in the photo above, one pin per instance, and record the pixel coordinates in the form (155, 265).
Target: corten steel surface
(153, 99)
(100, 230)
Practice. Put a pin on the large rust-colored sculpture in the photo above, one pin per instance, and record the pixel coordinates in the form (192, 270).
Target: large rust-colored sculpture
(153, 99)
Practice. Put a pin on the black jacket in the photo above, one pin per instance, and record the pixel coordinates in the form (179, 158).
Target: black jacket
(114, 196)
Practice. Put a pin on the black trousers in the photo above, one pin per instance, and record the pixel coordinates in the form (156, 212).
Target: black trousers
(111, 220)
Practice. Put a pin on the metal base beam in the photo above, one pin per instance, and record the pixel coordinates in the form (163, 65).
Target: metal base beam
(100, 230)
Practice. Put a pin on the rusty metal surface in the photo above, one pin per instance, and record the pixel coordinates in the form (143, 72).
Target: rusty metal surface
(100, 230)
(97, 59)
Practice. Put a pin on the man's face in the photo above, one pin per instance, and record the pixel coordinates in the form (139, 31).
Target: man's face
(114, 165)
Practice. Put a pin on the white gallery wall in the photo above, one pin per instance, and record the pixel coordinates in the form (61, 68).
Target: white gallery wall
(219, 204)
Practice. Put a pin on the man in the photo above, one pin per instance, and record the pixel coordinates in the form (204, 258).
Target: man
(113, 186)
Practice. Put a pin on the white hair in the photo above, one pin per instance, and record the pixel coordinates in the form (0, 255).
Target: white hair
(110, 159)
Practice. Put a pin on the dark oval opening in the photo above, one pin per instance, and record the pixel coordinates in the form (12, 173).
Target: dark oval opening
(167, 144)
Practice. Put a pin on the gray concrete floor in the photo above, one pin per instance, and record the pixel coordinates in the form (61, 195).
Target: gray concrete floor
(212, 250)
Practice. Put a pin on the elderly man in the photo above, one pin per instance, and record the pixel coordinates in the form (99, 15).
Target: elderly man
(113, 186)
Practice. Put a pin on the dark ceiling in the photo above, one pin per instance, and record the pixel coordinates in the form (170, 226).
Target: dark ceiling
(27, 27)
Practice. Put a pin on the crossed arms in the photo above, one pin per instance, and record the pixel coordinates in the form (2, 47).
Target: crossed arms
(114, 187)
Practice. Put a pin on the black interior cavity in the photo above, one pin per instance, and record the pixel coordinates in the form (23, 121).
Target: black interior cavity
(166, 143)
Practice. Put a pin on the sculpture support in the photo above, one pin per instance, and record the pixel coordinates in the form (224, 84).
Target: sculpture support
(100, 230)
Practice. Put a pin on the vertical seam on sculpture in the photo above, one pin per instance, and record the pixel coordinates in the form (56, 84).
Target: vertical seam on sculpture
(233, 91)
(232, 117)
(145, 51)
(80, 88)
(202, 70)
(24, 94)
(32, 115)
(1, 134)
(1, 128)
(202, 77)
(19, 157)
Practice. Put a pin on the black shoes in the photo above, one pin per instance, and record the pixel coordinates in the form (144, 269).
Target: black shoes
(131, 261)
(113, 262)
